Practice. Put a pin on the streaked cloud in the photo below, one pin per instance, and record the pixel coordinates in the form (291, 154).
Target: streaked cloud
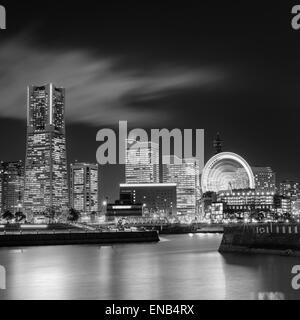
(99, 89)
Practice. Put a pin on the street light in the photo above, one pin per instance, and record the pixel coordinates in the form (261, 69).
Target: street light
(104, 206)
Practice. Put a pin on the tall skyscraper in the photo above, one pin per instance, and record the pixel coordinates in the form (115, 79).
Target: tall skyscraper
(46, 181)
(11, 186)
(84, 187)
(187, 178)
(142, 162)
(265, 179)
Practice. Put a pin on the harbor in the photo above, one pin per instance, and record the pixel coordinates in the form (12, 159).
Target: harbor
(183, 266)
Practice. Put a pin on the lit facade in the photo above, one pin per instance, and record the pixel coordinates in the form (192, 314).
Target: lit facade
(283, 204)
(265, 179)
(157, 198)
(117, 211)
(187, 178)
(286, 205)
(217, 212)
(247, 200)
(295, 207)
(46, 181)
(289, 188)
(12, 186)
(142, 162)
(84, 187)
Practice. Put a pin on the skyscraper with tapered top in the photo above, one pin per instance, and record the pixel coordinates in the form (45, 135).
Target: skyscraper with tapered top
(46, 178)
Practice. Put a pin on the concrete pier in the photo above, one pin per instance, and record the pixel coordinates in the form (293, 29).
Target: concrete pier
(40, 238)
(266, 238)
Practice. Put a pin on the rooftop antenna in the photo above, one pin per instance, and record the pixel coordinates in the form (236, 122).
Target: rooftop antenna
(218, 144)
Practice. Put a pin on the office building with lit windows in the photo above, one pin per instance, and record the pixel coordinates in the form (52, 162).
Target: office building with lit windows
(142, 162)
(186, 175)
(11, 186)
(46, 181)
(282, 204)
(289, 188)
(295, 207)
(84, 187)
(156, 198)
(265, 179)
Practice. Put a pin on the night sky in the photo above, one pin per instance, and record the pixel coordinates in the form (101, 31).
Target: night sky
(231, 68)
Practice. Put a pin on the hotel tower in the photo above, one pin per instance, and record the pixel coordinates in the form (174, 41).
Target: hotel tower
(84, 187)
(46, 182)
(187, 178)
(142, 162)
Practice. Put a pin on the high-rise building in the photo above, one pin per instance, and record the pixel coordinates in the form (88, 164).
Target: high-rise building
(11, 186)
(84, 187)
(156, 198)
(265, 179)
(289, 188)
(142, 162)
(46, 176)
(187, 177)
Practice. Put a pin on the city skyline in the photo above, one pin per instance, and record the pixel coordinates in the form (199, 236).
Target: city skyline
(47, 187)
(254, 134)
(155, 174)
(193, 69)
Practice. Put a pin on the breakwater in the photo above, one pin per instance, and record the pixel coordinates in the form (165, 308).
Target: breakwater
(40, 238)
(267, 238)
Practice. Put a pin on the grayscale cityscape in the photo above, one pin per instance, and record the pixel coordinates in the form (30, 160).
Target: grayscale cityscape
(210, 210)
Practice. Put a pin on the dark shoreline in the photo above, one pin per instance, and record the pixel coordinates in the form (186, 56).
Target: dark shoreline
(184, 229)
(45, 239)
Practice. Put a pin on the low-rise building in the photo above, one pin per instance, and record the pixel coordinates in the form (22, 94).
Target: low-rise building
(156, 198)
